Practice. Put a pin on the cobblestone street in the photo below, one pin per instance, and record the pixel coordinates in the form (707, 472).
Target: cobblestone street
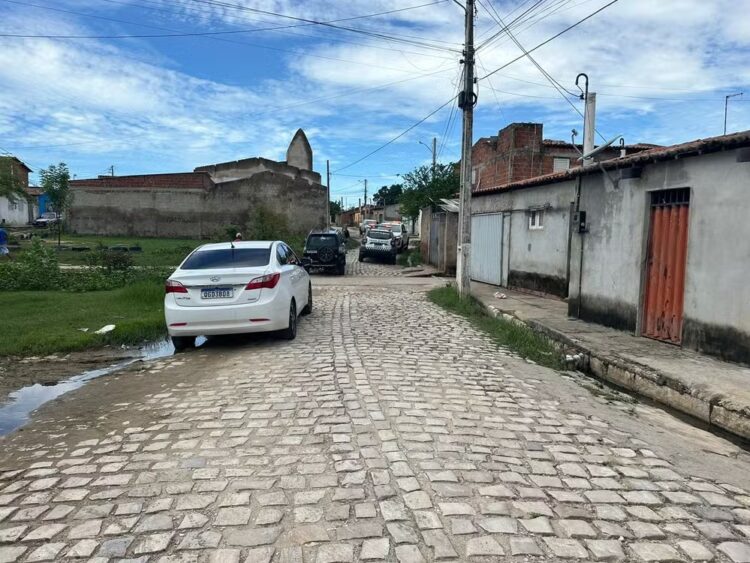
(368, 268)
(388, 430)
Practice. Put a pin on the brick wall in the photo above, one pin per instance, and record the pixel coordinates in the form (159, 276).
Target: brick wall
(182, 180)
(518, 152)
(514, 154)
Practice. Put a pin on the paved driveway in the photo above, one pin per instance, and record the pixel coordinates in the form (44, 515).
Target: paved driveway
(389, 430)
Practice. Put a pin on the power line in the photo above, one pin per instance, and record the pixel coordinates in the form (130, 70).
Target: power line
(448, 124)
(404, 132)
(301, 52)
(351, 29)
(515, 21)
(213, 35)
(543, 43)
(532, 17)
(275, 108)
(547, 75)
(307, 22)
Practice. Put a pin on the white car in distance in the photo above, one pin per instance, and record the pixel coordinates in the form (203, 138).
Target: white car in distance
(234, 288)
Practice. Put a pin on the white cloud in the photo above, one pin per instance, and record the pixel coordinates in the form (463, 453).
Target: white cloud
(143, 104)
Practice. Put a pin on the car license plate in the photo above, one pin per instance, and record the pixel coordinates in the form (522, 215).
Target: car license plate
(217, 293)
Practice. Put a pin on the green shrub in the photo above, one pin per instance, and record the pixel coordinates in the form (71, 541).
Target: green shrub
(33, 270)
(111, 260)
(410, 258)
(37, 269)
(267, 225)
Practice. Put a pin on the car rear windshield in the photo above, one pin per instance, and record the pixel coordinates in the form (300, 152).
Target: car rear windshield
(383, 235)
(321, 241)
(227, 258)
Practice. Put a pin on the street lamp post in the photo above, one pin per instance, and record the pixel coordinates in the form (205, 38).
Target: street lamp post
(726, 107)
(432, 150)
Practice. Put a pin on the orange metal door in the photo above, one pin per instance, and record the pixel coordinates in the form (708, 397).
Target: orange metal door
(665, 275)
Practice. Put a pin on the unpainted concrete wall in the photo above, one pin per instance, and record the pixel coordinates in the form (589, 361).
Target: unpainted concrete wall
(538, 259)
(238, 169)
(181, 212)
(717, 295)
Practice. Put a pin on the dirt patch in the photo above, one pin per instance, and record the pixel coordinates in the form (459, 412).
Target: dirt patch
(16, 373)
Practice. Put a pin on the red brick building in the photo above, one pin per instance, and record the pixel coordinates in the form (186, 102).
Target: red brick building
(519, 152)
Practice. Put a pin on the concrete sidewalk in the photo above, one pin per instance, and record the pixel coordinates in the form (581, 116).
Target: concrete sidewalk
(714, 391)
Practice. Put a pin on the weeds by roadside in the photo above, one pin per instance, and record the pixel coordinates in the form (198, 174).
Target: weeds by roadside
(520, 339)
(37, 269)
(43, 322)
(409, 258)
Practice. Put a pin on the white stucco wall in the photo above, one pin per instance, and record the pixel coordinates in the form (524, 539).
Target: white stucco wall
(14, 214)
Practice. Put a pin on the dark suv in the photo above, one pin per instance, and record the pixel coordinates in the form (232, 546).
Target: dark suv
(326, 250)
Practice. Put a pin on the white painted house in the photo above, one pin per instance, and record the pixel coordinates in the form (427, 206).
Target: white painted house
(20, 211)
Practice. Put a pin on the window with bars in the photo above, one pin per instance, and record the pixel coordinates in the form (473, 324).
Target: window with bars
(678, 196)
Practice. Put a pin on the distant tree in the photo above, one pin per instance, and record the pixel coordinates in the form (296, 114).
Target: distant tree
(55, 182)
(388, 195)
(11, 186)
(422, 188)
(335, 207)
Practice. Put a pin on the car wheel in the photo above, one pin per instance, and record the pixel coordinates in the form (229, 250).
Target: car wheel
(308, 308)
(181, 343)
(361, 258)
(290, 332)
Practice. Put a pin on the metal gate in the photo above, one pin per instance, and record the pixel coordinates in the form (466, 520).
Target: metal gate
(665, 274)
(437, 228)
(487, 248)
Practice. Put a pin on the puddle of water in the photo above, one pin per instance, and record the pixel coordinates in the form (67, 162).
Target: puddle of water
(23, 402)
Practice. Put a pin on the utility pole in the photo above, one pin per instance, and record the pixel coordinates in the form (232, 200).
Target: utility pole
(726, 107)
(365, 198)
(466, 101)
(433, 151)
(434, 156)
(112, 170)
(328, 194)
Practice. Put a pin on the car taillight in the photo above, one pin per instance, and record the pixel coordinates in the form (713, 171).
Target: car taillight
(172, 286)
(269, 281)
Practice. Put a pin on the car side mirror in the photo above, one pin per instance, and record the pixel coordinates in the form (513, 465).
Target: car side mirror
(306, 264)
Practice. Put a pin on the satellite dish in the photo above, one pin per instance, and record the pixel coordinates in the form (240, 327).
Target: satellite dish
(599, 149)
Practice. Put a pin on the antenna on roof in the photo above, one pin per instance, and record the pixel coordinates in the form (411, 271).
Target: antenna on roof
(592, 153)
(573, 135)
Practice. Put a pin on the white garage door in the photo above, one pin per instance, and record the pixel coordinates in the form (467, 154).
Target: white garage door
(487, 248)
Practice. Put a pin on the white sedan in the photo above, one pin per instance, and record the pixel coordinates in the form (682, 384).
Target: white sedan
(235, 288)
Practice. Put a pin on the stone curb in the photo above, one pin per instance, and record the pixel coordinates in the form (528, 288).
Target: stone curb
(706, 404)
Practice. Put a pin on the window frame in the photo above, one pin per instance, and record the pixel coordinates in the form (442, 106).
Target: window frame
(281, 256)
(536, 219)
(556, 159)
(291, 257)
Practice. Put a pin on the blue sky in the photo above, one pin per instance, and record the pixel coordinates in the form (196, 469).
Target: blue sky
(660, 69)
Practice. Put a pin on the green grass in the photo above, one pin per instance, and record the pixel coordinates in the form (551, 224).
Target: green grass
(409, 258)
(520, 339)
(165, 252)
(44, 322)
